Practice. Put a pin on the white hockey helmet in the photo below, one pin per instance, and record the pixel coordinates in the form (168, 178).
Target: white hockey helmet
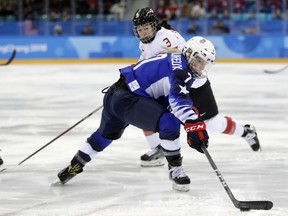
(200, 55)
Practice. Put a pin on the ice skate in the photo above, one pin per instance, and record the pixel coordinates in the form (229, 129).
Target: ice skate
(153, 158)
(177, 175)
(69, 172)
(251, 137)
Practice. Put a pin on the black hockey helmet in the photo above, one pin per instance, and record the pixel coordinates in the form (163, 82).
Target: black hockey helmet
(145, 16)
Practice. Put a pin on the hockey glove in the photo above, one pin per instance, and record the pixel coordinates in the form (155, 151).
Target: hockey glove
(196, 134)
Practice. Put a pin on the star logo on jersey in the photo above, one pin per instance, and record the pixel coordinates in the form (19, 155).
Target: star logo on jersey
(183, 89)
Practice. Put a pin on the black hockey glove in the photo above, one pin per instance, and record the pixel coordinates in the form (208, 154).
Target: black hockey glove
(196, 134)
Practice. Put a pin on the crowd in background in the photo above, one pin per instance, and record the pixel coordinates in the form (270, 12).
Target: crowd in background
(59, 9)
(216, 11)
(219, 9)
(171, 9)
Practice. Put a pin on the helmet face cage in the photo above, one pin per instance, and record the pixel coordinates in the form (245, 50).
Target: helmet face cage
(145, 25)
(200, 54)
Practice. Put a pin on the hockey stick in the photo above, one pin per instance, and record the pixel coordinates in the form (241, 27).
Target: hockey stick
(242, 205)
(64, 132)
(276, 71)
(10, 59)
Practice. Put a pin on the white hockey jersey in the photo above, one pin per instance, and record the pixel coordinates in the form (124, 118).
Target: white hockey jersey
(165, 38)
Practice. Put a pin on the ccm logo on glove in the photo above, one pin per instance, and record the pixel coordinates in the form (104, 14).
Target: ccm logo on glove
(196, 134)
(195, 127)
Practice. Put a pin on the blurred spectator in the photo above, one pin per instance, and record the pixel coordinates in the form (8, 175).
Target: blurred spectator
(118, 9)
(172, 10)
(185, 9)
(54, 16)
(197, 11)
(87, 30)
(249, 6)
(277, 15)
(250, 30)
(264, 7)
(226, 14)
(218, 27)
(106, 6)
(225, 5)
(193, 28)
(93, 6)
(66, 14)
(57, 30)
(238, 6)
(225, 29)
(213, 14)
(29, 13)
(6, 8)
(160, 10)
(60, 10)
(251, 15)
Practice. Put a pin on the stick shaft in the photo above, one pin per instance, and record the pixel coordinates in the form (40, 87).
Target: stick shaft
(64, 132)
(219, 175)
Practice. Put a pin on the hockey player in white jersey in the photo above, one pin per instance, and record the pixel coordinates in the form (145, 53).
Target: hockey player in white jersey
(156, 38)
(153, 95)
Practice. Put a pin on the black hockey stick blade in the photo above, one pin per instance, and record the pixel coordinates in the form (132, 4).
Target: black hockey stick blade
(276, 71)
(7, 168)
(10, 59)
(242, 205)
(254, 205)
(2, 170)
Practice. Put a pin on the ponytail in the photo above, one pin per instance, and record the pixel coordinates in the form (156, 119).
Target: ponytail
(165, 24)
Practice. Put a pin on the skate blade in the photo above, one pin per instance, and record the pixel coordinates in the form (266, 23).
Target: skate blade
(182, 188)
(154, 163)
(55, 182)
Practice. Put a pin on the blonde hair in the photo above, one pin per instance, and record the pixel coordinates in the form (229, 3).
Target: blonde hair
(171, 50)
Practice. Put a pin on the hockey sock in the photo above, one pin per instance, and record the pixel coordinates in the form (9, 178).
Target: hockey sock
(171, 149)
(153, 140)
(230, 127)
(233, 127)
(80, 158)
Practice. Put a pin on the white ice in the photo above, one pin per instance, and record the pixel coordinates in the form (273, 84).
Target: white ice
(39, 102)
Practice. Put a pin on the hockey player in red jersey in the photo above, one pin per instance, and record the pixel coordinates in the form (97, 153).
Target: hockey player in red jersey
(158, 38)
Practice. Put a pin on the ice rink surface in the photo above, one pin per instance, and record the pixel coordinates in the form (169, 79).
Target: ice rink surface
(39, 102)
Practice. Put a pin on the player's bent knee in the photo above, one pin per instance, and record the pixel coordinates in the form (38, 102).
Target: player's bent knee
(98, 142)
(169, 127)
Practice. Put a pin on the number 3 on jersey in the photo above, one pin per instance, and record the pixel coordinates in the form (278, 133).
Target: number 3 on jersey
(167, 41)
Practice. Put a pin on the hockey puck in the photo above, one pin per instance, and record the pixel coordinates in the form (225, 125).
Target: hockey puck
(244, 209)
